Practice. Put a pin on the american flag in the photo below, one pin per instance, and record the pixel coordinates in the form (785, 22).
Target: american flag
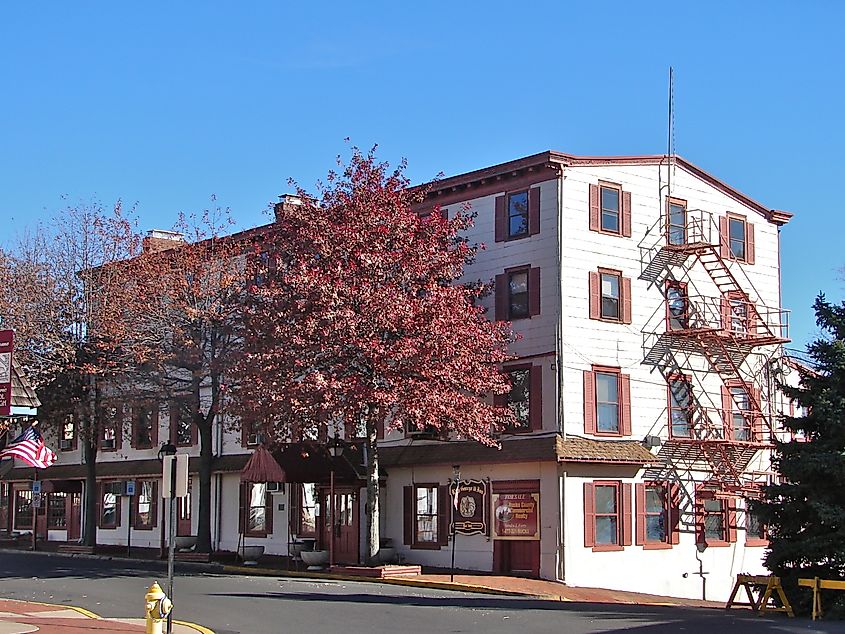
(30, 448)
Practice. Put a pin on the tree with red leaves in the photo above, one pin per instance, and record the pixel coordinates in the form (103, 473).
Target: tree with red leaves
(356, 322)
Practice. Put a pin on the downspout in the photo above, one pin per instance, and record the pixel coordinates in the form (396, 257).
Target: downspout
(561, 479)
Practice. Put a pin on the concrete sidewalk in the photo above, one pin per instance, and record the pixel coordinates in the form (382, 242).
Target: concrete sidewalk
(21, 617)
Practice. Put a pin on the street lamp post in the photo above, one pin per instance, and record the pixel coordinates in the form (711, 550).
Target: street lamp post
(456, 471)
(335, 450)
(168, 450)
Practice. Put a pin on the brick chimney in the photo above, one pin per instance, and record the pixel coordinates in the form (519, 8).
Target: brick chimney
(286, 201)
(161, 240)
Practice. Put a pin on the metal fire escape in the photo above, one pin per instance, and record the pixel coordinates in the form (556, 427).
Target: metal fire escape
(722, 329)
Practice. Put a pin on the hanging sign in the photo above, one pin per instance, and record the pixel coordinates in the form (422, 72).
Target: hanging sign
(516, 516)
(469, 507)
(7, 338)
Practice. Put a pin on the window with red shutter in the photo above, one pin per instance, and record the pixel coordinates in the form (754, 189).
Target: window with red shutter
(610, 209)
(517, 214)
(654, 515)
(518, 293)
(610, 296)
(607, 515)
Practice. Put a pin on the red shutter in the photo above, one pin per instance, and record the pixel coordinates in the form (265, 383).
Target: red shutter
(699, 519)
(534, 291)
(117, 510)
(268, 512)
(675, 513)
(595, 296)
(626, 214)
(595, 212)
(626, 514)
(241, 507)
(757, 429)
(731, 520)
(533, 211)
(444, 514)
(444, 213)
(99, 504)
(641, 517)
(626, 300)
(589, 516)
(244, 432)
(727, 407)
(156, 423)
(154, 505)
(749, 242)
(725, 306)
(535, 405)
(501, 219)
(118, 432)
(132, 428)
(380, 429)
(408, 514)
(625, 427)
(589, 402)
(502, 299)
(724, 238)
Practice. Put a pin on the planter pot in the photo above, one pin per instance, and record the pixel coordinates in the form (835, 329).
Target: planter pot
(185, 543)
(315, 559)
(251, 554)
(298, 545)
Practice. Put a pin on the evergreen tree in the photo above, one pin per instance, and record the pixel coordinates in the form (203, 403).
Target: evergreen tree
(805, 513)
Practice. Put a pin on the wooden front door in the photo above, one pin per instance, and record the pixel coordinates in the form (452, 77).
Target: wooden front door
(4, 506)
(344, 519)
(516, 557)
(74, 516)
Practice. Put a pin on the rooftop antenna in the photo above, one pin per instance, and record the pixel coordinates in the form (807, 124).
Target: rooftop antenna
(670, 141)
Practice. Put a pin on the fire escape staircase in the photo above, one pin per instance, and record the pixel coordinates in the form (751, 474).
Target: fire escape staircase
(724, 330)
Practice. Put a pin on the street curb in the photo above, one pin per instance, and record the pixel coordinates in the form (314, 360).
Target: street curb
(96, 617)
(410, 582)
(161, 563)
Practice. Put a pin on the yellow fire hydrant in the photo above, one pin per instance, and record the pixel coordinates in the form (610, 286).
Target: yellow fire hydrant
(157, 608)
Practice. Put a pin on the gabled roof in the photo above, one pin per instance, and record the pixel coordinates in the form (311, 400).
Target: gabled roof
(22, 394)
(552, 160)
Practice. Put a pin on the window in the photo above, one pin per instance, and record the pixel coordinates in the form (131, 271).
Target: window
(183, 513)
(607, 399)
(715, 519)
(518, 293)
(109, 440)
(252, 434)
(23, 511)
(610, 296)
(738, 416)
(677, 317)
(676, 221)
(145, 425)
(518, 214)
(524, 398)
(610, 209)
(145, 504)
(680, 407)
(112, 431)
(737, 313)
(110, 493)
(56, 510)
(755, 530)
(183, 432)
(610, 308)
(607, 402)
(519, 397)
(256, 509)
(607, 515)
(657, 514)
(306, 517)
(68, 440)
(737, 238)
(425, 517)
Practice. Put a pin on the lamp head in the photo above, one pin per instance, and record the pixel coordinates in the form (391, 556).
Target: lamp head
(166, 449)
(701, 546)
(335, 447)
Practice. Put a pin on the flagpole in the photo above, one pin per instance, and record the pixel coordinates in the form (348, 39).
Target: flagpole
(32, 504)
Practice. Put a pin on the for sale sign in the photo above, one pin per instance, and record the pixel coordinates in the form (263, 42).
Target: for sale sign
(516, 516)
(7, 338)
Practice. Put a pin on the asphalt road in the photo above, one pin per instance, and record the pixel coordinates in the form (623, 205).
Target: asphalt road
(269, 605)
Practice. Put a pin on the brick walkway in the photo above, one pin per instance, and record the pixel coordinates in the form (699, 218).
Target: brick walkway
(21, 617)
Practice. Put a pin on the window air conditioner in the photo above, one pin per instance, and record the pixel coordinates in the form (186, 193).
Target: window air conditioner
(65, 444)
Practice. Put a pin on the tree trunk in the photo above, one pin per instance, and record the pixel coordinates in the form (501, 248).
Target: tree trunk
(89, 455)
(372, 506)
(204, 519)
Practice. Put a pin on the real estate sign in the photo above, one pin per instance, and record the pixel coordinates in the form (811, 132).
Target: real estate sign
(516, 516)
(7, 338)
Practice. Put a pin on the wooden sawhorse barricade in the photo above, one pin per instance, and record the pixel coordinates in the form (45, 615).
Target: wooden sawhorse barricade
(768, 590)
(818, 585)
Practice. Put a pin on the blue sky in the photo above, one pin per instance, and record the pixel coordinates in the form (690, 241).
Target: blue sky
(165, 104)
